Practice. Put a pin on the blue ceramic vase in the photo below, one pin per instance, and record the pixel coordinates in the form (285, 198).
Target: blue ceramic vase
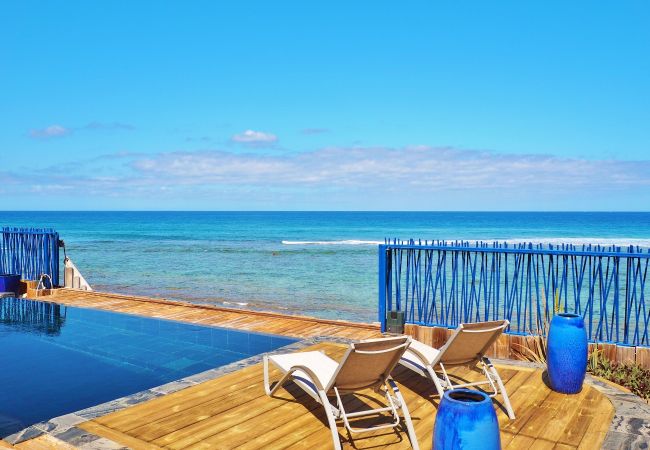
(466, 421)
(567, 353)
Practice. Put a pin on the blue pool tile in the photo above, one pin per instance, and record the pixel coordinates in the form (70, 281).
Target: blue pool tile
(179, 364)
(204, 337)
(237, 341)
(259, 342)
(219, 338)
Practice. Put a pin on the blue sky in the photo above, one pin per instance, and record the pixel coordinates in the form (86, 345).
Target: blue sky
(330, 105)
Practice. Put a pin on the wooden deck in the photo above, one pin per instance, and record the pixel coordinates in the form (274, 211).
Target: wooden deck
(233, 411)
(296, 326)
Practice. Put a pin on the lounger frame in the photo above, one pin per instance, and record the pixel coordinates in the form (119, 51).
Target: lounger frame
(492, 377)
(386, 385)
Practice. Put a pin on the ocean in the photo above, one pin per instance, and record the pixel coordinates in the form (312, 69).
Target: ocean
(322, 264)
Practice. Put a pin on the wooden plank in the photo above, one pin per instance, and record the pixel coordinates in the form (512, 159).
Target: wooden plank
(43, 442)
(520, 441)
(625, 354)
(608, 351)
(527, 399)
(67, 293)
(502, 346)
(576, 429)
(643, 357)
(115, 435)
(267, 322)
(571, 425)
(440, 337)
(560, 446)
(425, 335)
(411, 330)
(550, 413)
(542, 444)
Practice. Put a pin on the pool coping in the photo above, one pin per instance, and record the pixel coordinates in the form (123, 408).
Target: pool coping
(629, 428)
(65, 428)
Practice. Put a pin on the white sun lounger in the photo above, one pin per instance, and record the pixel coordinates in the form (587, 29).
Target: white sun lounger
(366, 364)
(466, 346)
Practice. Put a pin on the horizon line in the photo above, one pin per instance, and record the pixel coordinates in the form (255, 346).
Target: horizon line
(318, 211)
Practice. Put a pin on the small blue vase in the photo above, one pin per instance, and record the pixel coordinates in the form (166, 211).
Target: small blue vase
(567, 353)
(466, 421)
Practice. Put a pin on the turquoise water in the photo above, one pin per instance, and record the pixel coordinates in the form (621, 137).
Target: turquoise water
(316, 263)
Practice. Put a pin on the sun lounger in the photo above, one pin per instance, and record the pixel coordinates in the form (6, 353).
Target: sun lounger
(466, 346)
(366, 364)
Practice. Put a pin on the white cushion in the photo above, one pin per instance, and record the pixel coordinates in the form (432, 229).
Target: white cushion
(427, 351)
(319, 363)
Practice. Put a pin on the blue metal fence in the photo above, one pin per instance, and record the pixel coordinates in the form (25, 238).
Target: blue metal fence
(30, 252)
(439, 283)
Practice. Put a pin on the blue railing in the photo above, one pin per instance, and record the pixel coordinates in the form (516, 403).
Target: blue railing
(439, 283)
(30, 252)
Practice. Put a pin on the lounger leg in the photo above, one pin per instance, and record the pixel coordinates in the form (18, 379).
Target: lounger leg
(330, 420)
(502, 388)
(267, 387)
(407, 416)
(267, 384)
(436, 381)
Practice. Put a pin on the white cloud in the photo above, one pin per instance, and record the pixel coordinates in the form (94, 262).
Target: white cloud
(422, 168)
(419, 177)
(59, 130)
(49, 132)
(250, 137)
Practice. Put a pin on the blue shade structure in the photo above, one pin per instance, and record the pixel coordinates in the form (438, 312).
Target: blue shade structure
(443, 284)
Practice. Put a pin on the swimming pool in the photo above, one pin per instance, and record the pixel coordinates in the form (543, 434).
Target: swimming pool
(58, 359)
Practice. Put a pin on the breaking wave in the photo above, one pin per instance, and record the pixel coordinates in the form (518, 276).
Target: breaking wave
(345, 242)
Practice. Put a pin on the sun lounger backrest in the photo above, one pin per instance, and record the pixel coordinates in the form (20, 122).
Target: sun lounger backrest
(369, 363)
(470, 341)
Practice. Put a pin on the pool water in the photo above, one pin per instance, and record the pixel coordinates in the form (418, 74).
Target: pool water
(58, 359)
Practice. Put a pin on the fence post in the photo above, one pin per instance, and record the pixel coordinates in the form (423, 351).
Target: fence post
(382, 275)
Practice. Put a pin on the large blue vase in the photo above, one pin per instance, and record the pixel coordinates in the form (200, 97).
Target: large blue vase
(567, 353)
(466, 421)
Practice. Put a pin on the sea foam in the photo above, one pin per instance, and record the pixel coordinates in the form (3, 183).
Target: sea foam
(345, 242)
(577, 241)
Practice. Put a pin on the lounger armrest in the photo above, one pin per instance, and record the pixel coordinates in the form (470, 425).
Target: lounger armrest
(310, 373)
(419, 355)
(378, 352)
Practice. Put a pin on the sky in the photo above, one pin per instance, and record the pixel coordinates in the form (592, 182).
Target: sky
(337, 105)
